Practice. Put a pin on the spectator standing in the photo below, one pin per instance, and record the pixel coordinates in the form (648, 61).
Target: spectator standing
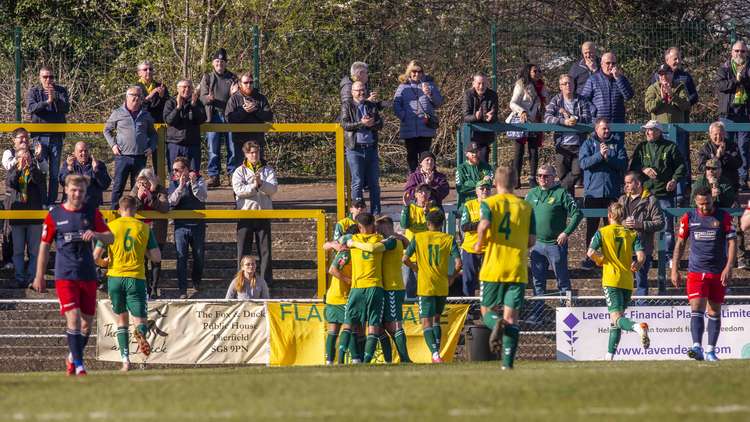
(415, 101)
(49, 103)
(361, 122)
(130, 133)
(583, 69)
(733, 86)
(427, 174)
(527, 106)
(215, 89)
(155, 95)
(556, 217)
(470, 173)
(359, 72)
(82, 162)
(246, 285)
(25, 191)
(660, 162)
(603, 159)
(151, 195)
(254, 184)
(724, 149)
(188, 192)
(247, 105)
(470, 217)
(568, 109)
(607, 90)
(21, 141)
(644, 215)
(184, 114)
(480, 106)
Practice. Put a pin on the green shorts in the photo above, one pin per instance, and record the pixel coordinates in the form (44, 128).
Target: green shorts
(128, 295)
(335, 313)
(617, 298)
(430, 306)
(365, 306)
(505, 294)
(393, 307)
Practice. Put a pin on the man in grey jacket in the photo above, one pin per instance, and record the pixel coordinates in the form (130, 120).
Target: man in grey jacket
(642, 214)
(130, 133)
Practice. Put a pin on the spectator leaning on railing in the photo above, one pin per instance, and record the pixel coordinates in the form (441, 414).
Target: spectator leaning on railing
(581, 70)
(83, 163)
(604, 160)
(25, 191)
(184, 114)
(569, 109)
(49, 103)
(414, 103)
(247, 105)
(733, 88)
(246, 284)
(254, 183)
(361, 122)
(150, 195)
(480, 105)
(188, 192)
(130, 133)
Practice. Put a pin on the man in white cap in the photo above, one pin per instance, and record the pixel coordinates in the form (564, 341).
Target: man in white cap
(662, 167)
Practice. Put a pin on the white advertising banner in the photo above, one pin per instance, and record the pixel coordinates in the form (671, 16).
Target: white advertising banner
(192, 333)
(583, 333)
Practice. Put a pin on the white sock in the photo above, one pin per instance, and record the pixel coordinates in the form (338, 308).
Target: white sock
(696, 345)
(436, 355)
(80, 369)
(609, 356)
(637, 328)
(710, 348)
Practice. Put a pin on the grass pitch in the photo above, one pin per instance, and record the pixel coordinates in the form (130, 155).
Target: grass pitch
(551, 391)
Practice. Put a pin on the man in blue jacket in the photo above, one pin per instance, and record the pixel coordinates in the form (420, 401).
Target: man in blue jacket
(83, 163)
(607, 90)
(603, 160)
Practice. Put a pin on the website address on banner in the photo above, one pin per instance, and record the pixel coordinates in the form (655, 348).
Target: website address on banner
(676, 350)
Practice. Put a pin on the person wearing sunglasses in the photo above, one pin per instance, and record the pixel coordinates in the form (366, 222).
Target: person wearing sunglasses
(247, 105)
(733, 86)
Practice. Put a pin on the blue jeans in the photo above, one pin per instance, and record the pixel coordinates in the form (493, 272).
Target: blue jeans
(743, 143)
(127, 168)
(192, 153)
(364, 167)
(470, 275)
(410, 282)
(641, 277)
(215, 140)
(191, 235)
(543, 254)
(52, 147)
(664, 203)
(25, 236)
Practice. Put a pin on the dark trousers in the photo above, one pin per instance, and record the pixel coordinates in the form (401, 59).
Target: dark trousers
(414, 147)
(470, 273)
(153, 274)
(52, 147)
(641, 277)
(518, 150)
(191, 152)
(189, 236)
(568, 168)
(127, 168)
(258, 230)
(592, 224)
(742, 139)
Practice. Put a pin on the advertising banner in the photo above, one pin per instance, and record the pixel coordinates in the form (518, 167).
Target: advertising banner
(583, 333)
(191, 333)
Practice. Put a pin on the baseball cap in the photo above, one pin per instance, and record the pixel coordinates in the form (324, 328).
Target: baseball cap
(664, 69)
(472, 147)
(484, 182)
(220, 54)
(653, 124)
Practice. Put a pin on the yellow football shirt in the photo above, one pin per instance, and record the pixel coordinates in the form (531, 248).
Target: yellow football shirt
(126, 254)
(617, 244)
(342, 226)
(366, 266)
(470, 214)
(414, 220)
(433, 251)
(506, 255)
(338, 291)
(392, 279)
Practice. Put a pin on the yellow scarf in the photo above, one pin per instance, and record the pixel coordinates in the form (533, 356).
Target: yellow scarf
(23, 185)
(254, 167)
(149, 86)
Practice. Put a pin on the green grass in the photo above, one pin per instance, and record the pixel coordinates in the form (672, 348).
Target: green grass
(552, 391)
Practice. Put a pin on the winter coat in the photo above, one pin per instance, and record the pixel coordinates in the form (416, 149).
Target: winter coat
(252, 197)
(350, 121)
(486, 103)
(730, 160)
(608, 96)
(552, 115)
(726, 86)
(410, 105)
(674, 110)
(602, 178)
(648, 216)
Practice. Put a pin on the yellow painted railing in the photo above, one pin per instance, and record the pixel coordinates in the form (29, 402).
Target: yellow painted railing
(312, 214)
(334, 128)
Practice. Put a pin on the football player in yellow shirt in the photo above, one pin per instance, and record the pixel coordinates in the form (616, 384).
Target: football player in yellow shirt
(507, 230)
(432, 249)
(336, 297)
(612, 247)
(414, 220)
(127, 275)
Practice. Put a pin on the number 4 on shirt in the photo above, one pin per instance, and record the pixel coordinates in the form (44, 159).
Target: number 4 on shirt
(504, 227)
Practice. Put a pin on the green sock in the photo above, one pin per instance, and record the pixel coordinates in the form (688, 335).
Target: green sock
(625, 324)
(385, 346)
(490, 318)
(361, 339)
(438, 332)
(614, 339)
(123, 341)
(331, 346)
(400, 339)
(354, 351)
(370, 345)
(510, 344)
(143, 328)
(343, 345)
(429, 338)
